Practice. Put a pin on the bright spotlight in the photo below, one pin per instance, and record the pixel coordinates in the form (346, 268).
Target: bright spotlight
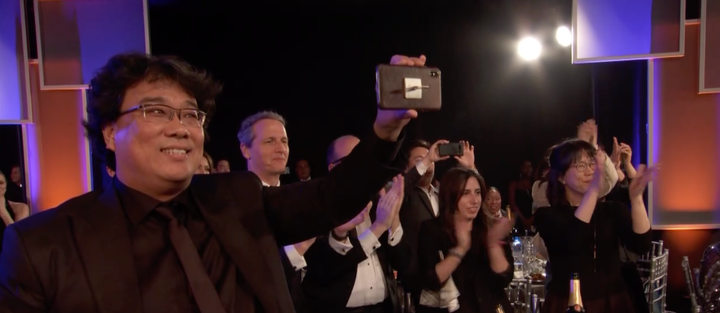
(563, 36)
(529, 48)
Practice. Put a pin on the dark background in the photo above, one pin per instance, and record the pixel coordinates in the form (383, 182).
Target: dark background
(314, 64)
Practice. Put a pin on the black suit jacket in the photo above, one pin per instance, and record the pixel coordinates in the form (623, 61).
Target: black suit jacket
(78, 257)
(294, 282)
(416, 209)
(331, 276)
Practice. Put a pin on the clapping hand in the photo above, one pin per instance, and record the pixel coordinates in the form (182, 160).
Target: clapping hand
(389, 204)
(498, 232)
(588, 131)
(597, 180)
(463, 236)
(640, 182)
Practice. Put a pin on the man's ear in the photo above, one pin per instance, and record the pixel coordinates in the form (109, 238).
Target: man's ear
(109, 136)
(245, 151)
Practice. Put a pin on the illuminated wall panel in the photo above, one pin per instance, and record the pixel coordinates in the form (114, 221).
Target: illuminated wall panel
(77, 37)
(684, 137)
(615, 30)
(710, 47)
(57, 151)
(14, 94)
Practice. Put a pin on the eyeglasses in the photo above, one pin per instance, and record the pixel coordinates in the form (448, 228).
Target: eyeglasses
(582, 167)
(160, 113)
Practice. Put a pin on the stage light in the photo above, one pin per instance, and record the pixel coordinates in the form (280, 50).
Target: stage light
(529, 48)
(563, 36)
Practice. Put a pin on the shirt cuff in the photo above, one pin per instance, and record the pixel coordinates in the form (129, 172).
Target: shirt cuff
(341, 248)
(610, 176)
(296, 260)
(394, 238)
(369, 242)
(421, 168)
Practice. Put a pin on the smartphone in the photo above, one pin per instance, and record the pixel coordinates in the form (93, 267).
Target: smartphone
(388, 186)
(451, 149)
(408, 87)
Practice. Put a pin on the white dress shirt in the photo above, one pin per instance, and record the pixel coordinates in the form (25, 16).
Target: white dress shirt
(369, 288)
(432, 194)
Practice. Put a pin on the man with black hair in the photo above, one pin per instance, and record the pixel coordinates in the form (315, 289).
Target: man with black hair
(162, 240)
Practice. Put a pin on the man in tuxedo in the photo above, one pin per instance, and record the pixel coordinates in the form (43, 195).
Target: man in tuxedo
(421, 199)
(159, 239)
(351, 268)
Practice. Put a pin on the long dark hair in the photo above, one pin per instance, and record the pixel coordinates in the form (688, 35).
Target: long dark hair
(452, 185)
(561, 158)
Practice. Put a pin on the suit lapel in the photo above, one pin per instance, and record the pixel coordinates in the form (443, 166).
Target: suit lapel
(426, 201)
(103, 242)
(223, 215)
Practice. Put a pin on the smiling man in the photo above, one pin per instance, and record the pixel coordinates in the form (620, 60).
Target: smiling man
(264, 144)
(159, 239)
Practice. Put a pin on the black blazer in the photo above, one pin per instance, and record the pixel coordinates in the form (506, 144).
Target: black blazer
(294, 282)
(416, 209)
(481, 289)
(78, 257)
(330, 277)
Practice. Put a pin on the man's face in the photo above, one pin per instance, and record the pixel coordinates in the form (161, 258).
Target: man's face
(269, 150)
(150, 154)
(223, 166)
(15, 176)
(302, 169)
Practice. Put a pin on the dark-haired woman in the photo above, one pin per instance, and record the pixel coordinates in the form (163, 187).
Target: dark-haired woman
(10, 212)
(582, 234)
(473, 255)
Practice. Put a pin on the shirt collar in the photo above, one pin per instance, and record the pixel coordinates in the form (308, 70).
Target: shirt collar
(138, 205)
(268, 185)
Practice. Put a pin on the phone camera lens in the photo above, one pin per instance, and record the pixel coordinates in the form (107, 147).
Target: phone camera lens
(434, 74)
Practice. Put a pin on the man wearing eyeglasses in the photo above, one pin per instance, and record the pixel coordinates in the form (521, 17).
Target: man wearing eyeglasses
(159, 239)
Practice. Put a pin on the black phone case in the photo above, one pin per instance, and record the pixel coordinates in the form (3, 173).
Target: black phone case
(451, 149)
(390, 81)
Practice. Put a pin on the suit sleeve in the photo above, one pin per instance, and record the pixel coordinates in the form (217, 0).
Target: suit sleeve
(20, 288)
(502, 280)
(325, 265)
(410, 220)
(300, 211)
(636, 243)
(412, 178)
(400, 254)
(428, 256)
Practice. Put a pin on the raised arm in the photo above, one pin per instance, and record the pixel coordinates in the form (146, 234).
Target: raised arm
(298, 212)
(500, 254)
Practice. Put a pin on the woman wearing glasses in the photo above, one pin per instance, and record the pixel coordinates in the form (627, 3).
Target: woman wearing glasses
(582, 234)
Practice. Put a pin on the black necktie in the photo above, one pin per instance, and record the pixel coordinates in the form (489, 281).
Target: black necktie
(206, 296)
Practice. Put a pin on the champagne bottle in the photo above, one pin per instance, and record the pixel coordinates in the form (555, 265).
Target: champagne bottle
(575, 304)
(513, 231)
